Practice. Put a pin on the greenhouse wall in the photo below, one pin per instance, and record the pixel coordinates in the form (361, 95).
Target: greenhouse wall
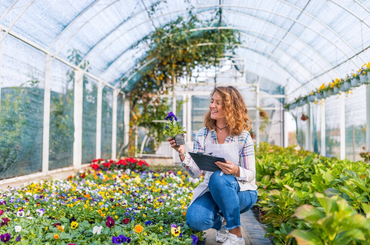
(32, 142)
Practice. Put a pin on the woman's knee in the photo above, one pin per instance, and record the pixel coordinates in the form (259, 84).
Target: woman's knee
(198, 222)
(220, 179)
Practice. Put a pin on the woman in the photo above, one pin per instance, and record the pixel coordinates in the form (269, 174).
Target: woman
(232, 191)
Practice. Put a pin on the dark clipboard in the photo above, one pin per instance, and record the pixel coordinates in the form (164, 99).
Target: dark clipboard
(206, 161)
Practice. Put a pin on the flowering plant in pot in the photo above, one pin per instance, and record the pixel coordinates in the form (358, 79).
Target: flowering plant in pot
(304, 117)
(174, 130)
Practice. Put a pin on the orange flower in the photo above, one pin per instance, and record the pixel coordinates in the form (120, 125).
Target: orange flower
(56, 236)
(138, 228)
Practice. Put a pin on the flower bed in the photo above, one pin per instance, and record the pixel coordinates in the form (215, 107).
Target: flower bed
(101, 207)
(310, 199)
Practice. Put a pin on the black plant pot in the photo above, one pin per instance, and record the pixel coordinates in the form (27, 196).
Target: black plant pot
(201, 242)
(179, 139)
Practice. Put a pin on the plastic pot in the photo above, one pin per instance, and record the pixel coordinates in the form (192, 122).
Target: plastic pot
(364, 78)
(347, 86)
(179, 139)
(335, 90)
(311, 98)
(355, 82)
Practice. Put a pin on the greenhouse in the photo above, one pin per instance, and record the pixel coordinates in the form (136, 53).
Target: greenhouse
(87, 89)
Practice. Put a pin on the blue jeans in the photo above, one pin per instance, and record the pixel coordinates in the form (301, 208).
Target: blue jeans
(224, 196)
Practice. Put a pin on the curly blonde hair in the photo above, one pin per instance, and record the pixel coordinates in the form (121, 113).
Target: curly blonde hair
(235, 111)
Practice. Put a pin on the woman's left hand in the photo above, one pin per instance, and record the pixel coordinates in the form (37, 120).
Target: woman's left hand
(227, 167)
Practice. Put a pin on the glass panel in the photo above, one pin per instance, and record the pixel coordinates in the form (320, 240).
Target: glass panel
(355, 123)
(301, 126)
(200, 105)
(61, 116)
(120, 125)
(106, 123)
(90, 93)
(332, 127)
(316, 128)
(21, 108)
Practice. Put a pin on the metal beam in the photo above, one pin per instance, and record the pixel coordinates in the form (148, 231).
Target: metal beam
(16, 19)
(243, 46)
(116, 28)
(77, 117)
(99, 120)
(32, 44)
(243, 30)
(238, 7)
(46, 125)
(114, 124)
(8, 10)
(349, 11)
(72, 22)
(78, 29)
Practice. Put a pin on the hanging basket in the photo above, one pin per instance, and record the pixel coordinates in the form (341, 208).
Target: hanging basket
(364, 79)
(347, 86)
(335, 90)
(311, 98)
(355, 82)
(263, 113)
(304, 117)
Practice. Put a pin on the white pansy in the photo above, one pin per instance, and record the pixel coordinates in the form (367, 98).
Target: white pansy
(18, 228)
(97, 229)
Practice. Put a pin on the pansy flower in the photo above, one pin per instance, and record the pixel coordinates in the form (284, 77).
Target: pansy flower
(18, 228)
(4, 221)
(110, 222)
(195, 239)
(126, 221)
(40, 212)
(97, 229)
(119, 239)
(18, 239)
(175, 230)
(74, 225)
(5, 237)
(148, 223)
(20, 213)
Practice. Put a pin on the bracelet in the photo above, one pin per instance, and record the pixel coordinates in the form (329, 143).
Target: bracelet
(182, 154)
(236, 171)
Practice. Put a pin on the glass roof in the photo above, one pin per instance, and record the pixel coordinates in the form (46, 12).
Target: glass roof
(295, 43)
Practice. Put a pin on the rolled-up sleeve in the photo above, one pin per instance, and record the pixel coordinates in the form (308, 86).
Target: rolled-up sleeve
(188, 164)
(247, 160)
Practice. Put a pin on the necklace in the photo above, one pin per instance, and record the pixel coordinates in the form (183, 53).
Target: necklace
(220, 128)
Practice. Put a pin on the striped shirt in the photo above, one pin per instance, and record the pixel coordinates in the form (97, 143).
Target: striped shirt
(246, 155)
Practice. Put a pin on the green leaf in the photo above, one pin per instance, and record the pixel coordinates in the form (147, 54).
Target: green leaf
(308, 213)
(305, 238)
(328, 204)
(332, 192)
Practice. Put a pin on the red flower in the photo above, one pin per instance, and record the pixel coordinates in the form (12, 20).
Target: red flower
(95, 166)
(126, 221)
(1, 212)
(4, 221)
(110, 222)
(107, 164)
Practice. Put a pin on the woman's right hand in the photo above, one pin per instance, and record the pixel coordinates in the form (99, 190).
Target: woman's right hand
(178, 148)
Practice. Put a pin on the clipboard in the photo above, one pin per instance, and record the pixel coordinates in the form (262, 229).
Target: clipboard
(206, 161)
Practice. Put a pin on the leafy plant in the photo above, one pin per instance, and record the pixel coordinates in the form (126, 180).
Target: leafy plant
(173, 128)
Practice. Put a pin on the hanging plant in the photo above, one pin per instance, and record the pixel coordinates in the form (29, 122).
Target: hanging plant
(176, 50)
(304, 117)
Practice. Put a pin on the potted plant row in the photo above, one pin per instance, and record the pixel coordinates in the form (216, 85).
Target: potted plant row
(336, 86)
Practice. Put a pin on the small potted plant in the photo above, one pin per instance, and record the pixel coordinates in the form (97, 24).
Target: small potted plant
(304, 117)
(365, 154)
(263, 113)
(355, 79)
(174, 130)
(363, 75)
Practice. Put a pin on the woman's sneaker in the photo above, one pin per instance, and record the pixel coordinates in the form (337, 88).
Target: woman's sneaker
(234, 240)
(221, 235)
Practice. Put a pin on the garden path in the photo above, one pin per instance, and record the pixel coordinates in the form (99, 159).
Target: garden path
(252, 231)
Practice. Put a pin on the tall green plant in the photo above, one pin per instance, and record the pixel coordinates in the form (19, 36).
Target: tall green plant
(176, 50)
